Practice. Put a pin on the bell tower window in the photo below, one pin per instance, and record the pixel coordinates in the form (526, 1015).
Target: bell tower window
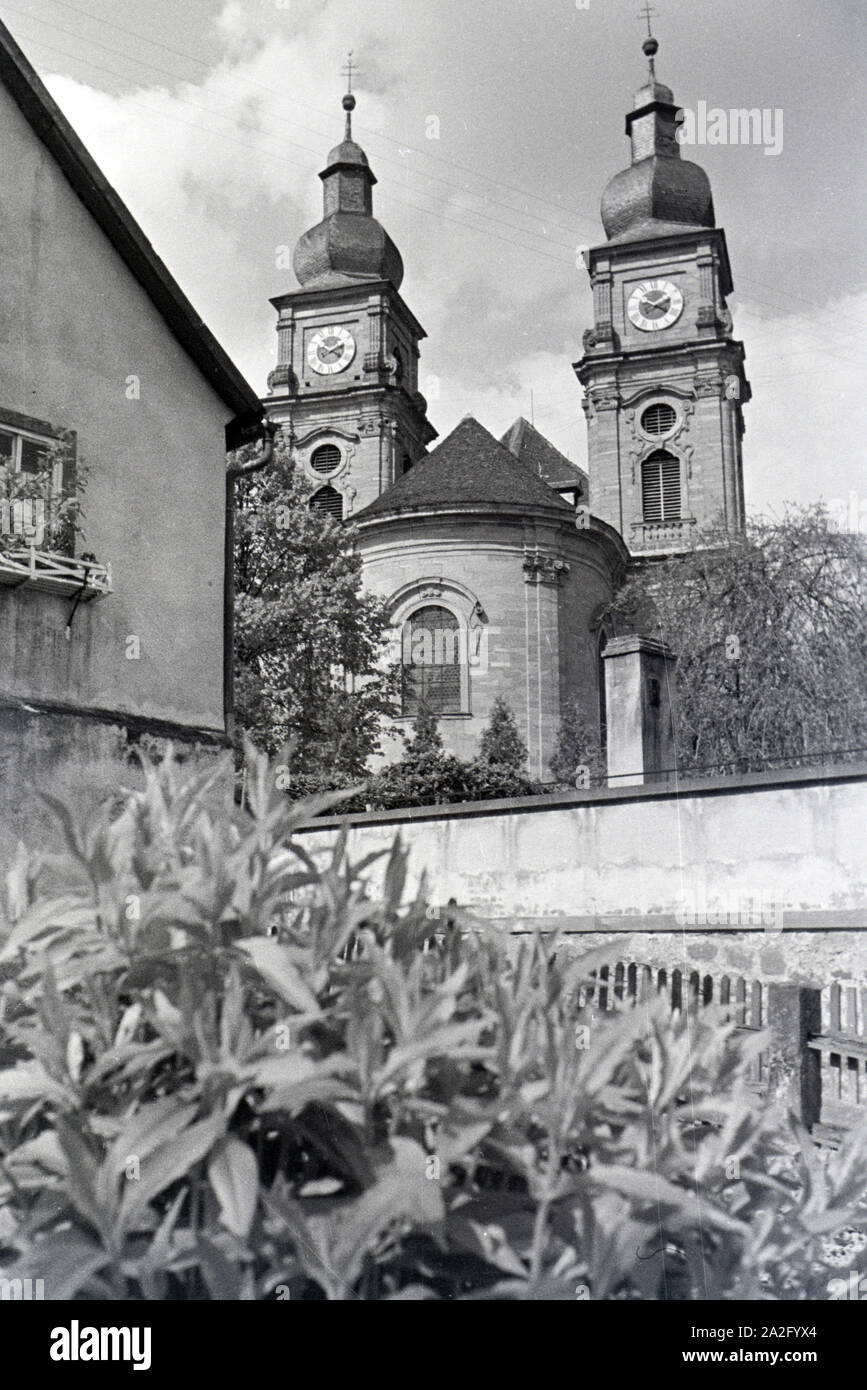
(325, 459)
(660, 487)
(659, 420)
(329, 502)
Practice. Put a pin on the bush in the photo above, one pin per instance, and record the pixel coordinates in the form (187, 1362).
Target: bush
(578, 758)
(427, 775)
(501, 745)
(233, 1072)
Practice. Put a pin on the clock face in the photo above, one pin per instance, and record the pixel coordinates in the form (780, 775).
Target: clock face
(655, 304)
(330, 350)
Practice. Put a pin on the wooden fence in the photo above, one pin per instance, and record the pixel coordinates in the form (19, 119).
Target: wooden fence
(818, 1037)
(627, 983)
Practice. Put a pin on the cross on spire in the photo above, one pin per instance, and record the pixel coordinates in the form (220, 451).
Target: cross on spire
(349, 70)
(650, 45)
(647, 13)
(349, 99)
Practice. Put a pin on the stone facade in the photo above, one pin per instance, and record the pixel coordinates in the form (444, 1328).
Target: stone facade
(527, 592)
(374, 414)
(445, 531)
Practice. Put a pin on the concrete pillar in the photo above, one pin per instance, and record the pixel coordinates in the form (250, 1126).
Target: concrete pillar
(639, 701)
(794, 1014)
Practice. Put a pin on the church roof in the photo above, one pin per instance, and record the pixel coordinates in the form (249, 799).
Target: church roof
(659, 193)
(348, 246)
(656, 196)
(113, 217)
(469, 468)
(538, 454)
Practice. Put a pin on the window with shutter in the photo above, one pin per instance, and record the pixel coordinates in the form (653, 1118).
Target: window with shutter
(659, 419)
(329, 502)
(660, 487)
(325, 459)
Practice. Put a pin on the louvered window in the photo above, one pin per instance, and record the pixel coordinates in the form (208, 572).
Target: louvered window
(658, 419)
(432, 669)
(660, 487)
(325, 459)
(328, 501)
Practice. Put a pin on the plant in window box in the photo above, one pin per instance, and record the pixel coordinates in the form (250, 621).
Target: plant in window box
(40, 498)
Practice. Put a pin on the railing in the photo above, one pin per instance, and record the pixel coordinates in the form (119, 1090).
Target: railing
(53, 573)
(662, 535)
(819, 1038)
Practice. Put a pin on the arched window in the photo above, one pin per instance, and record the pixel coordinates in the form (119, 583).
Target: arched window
(660, 486)
(325, 459)
(328, 501)
(433, 664)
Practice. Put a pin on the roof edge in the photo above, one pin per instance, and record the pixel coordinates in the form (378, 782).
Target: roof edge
(93, 189)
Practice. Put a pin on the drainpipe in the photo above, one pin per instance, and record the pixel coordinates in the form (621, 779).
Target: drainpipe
(269, 429)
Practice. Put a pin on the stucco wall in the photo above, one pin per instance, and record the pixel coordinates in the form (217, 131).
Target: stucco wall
(74, 325)
(769, 872)
(85, 763)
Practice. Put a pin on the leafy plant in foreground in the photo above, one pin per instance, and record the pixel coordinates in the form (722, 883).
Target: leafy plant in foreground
(233, 1069)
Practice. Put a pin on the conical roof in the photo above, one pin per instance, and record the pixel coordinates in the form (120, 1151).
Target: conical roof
(469, 468)
(545, 461)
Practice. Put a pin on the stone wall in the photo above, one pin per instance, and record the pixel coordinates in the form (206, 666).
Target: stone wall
(541, 584)
(763, 875)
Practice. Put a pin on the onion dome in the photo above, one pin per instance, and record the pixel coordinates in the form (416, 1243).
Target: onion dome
(659, 193)
(348, 245)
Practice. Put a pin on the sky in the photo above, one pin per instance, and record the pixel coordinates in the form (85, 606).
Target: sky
(492, 127)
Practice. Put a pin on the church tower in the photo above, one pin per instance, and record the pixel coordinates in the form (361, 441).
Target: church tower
(345, 387)
(664, 379)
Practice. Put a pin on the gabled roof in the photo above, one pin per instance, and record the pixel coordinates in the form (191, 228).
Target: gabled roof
(469, 467)
(539, 455)
(96, 193)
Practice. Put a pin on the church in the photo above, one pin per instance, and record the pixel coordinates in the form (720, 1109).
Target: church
(498, 557)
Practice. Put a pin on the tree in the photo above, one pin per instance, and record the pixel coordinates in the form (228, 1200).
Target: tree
(501, 744)
(310, 645)
(426, 740)
(578, 759)
(426, 775)
(770, 632)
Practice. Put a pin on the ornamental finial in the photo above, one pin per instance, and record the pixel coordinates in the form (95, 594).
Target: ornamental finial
(650, 47)
(349, 99)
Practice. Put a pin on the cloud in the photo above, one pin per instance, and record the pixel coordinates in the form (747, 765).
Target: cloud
(221, 172)
(806, 422)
